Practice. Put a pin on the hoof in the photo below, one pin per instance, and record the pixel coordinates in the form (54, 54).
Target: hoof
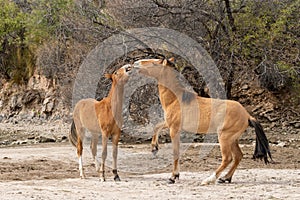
(154, 151)
(102, 179)
(117, 178)
(210, 180)
(224, 180)
(171, 181)
(82, 176)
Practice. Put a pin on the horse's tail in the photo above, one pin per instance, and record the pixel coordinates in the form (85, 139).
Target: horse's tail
(262, 149)
(73, 135)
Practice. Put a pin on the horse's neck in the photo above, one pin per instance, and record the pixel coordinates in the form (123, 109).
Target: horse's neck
(171, 90)
(168, 96)
(116, 99)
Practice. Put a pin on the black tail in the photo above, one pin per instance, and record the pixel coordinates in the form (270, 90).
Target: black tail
(73, 135)
(262, 149)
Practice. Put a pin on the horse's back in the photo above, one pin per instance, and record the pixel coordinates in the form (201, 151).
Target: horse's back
(236, 118)
(218, 114)
(236, 110)
(85, 105)
(85, 115)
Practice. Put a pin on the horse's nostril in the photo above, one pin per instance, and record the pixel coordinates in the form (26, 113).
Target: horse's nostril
(128, 69)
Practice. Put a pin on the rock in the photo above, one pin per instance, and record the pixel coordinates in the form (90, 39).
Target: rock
(31, 115)
(31, 96)
(43, 139)
(297, 125)
(143, 103)
(258, 107)
(48, 105)
(15, 143)
(245, 87)
(64, 137)
(281, 144)
(31, 137)
(50, 93)
(5, 142)
(259, 92)
(285, 124)
(2, 117)
(15, 102)
(24, 142)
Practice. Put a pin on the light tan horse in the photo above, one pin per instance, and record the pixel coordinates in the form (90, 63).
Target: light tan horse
(184, 110)
(104, 117)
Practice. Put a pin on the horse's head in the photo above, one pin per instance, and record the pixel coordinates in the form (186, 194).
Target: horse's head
(121, 75)
(154, 67)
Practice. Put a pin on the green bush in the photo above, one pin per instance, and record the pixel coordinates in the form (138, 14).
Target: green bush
(23, 28)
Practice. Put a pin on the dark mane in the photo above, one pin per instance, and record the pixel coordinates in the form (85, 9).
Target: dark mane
(188, 96)
(171, 64)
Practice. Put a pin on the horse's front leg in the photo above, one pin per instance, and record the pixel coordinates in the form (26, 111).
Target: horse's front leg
(94, 143)
(115, 141)
(154, 143)
(175, 137)
(104, 155)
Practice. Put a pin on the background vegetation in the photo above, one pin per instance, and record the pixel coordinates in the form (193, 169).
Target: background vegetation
(53, 37)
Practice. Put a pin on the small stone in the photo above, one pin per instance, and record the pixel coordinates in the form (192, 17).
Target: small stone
(43, 139)
(245, 87)
(281, 144)
(297, 125)
(31, 137)
(260, 91)
(1, 118)
(24, 142)
(64, 137)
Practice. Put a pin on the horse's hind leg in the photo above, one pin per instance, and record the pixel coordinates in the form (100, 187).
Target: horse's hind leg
(79, 154)
(226, 159)
(237, 156)
(115, 141)
(94, 143)
(175, 136)
(104, 155)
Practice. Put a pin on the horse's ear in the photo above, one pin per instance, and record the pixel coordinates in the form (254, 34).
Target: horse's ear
(109, 76)
(165, 62)
(172, 59)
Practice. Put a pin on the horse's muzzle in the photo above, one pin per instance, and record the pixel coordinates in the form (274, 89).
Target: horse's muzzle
(128, 67)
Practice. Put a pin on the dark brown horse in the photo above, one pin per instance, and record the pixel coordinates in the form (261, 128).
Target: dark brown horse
(104, 117)
(184, 110)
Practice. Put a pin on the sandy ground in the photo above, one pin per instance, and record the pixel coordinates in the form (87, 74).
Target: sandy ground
(49, 171)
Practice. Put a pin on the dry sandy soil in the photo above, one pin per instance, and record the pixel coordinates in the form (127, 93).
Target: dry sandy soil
(50, 171)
